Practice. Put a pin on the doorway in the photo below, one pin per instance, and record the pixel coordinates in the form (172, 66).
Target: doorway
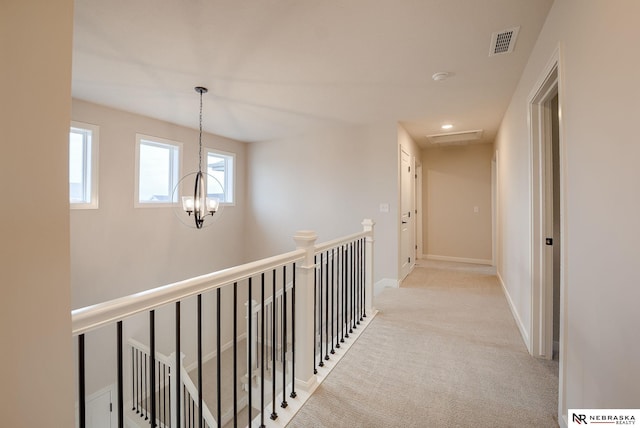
(407, 214)
(547, 225)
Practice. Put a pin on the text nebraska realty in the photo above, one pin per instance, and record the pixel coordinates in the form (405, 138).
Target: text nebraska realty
(611, 419)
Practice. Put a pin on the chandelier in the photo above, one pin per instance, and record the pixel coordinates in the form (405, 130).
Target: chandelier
(199, 205)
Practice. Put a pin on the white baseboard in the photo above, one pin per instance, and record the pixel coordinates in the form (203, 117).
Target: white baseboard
(457, 259)
(516, 315)
(384, 283)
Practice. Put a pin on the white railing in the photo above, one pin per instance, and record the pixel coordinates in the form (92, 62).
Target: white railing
(296, 345)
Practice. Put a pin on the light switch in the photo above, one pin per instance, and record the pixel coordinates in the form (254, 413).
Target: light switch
(384, 208)
(476, 210)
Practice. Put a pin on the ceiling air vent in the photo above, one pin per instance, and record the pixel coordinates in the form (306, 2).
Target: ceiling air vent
(502, 42)
(463, 137)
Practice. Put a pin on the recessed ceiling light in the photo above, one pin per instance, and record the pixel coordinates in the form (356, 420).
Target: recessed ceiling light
(447, 126)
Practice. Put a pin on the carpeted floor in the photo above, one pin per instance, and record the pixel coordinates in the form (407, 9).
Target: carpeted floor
(443, 351)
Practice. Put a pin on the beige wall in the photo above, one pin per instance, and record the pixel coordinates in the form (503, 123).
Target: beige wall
(599, 153)
(118, 250)
(35, 326)
(327, 181)
(456, 181)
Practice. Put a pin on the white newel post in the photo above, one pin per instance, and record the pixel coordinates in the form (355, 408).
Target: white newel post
(305, 378)
(367, 225)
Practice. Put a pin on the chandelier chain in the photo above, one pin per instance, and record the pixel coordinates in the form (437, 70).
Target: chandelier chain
(200, 137)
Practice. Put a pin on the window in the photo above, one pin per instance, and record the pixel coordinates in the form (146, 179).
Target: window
(220, 166)
(158, 170)
(83, 166)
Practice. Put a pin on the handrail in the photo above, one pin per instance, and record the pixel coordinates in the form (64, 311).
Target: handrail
(339, 241)
(95, 316)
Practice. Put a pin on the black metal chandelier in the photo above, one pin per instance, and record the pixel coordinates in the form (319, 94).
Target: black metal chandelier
(200, 205)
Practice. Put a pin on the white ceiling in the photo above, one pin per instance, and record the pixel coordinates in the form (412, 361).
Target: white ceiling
(276, 68)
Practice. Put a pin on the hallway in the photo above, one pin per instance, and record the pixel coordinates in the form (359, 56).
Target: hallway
(443, 351)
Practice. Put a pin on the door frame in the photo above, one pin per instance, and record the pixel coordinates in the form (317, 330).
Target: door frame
(412, 206)
(548, 85)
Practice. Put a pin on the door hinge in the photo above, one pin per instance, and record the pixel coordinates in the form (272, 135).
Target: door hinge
(409, 259)
(111, 407)
(409, 213)
(408, 169)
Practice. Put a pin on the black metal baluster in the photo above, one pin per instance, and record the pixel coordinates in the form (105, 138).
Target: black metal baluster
(81, 384)
(340, 269)
(284, 403)
(133, 380)
(218, 363)
(235, 355)
(353, 287)
(357, 245)
(322, 275)
(139, 402)
(364, 277)
(178, 382)
(293, 333)
(326, 309)
(170, 415)
(262, 350)
(333, 274)
(152, 364)
(362, 287)
(120, 375)
(347, 288)
(343, 289)
(163, 406)
(315, 310)
(249, 366)
(146, 386)
(186, 416)
(199, 328)
(274, 415)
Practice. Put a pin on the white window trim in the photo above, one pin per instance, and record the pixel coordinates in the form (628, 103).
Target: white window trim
(136, 196)
(95, 143)
(233, 173)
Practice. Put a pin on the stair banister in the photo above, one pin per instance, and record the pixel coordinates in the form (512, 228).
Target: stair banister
(92, 317)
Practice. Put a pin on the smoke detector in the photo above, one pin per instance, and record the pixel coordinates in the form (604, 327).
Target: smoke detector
(503, 42)
(441, 75)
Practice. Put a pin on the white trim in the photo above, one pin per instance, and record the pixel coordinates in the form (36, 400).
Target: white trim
(95, 145)
(457, 259)
(542, 335)
(136, 192)
(232, 183)
(514, 312)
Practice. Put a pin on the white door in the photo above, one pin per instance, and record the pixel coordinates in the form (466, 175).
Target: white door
(99, 411)
(407, 215)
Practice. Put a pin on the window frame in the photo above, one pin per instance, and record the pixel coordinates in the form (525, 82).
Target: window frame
(90, 174)
(157, 141)
(229, 176)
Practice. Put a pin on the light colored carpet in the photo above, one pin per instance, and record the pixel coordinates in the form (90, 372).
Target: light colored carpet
(443, 351)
